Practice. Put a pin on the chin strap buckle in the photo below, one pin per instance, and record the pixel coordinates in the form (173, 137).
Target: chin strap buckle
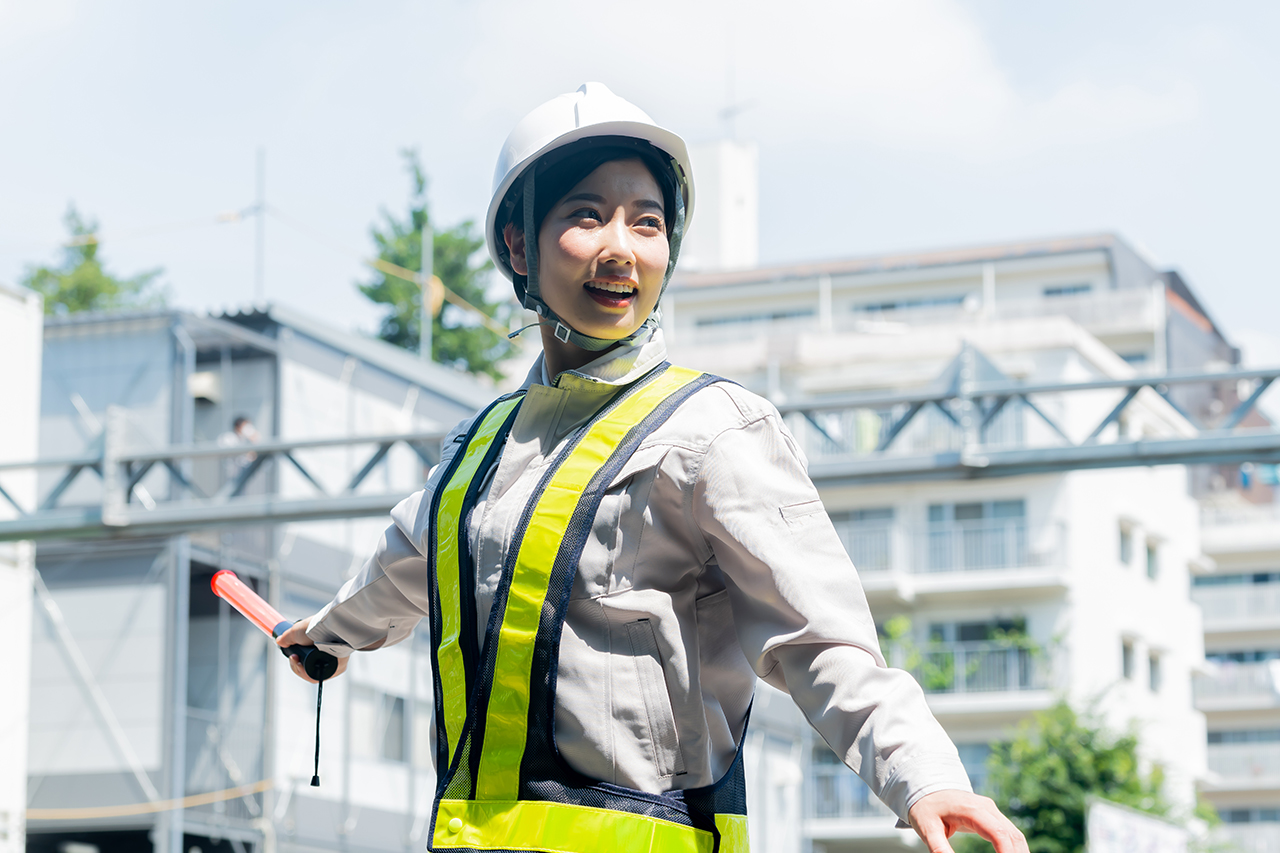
(562, 333)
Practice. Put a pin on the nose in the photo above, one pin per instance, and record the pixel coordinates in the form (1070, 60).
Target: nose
(617, 241)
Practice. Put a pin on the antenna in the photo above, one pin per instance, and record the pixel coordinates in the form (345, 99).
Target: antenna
(260, 249)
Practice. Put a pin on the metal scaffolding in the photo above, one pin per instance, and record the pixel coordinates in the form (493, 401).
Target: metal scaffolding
(966, 404)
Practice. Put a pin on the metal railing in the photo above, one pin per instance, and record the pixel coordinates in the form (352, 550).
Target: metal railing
(1229, 604)
(971, 667)
(1245, 761)
(959, 546)
(835, 791)
(1252, 683)
(957, 428)
(1249, 837)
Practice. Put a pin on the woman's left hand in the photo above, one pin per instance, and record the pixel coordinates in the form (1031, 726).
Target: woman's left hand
(936, 817)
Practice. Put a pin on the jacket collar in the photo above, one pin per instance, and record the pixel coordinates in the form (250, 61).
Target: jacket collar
(615, 369)
(576, 395)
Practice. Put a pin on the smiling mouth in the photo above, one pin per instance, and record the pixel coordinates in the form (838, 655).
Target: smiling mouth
(617, 290)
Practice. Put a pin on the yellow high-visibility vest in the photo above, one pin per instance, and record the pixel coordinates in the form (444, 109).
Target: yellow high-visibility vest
(503, 785)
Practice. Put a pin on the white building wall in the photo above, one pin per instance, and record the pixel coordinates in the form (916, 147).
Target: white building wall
(21, 320)
(724, 232)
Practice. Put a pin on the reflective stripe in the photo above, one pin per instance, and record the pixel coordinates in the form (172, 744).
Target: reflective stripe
(507, 720)
(564, 828)
(452, 669)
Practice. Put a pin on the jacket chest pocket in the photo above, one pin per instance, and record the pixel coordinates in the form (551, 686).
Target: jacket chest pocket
(612, 550)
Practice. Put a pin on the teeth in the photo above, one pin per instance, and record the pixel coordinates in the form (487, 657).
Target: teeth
(612, 287)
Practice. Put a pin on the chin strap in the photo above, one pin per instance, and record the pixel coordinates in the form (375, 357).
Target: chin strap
(531, 298)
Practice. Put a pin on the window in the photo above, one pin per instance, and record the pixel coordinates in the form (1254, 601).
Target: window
(974, 757)
(1250, 815)
(1126, 545)
(953, 300)
(1236, 580)
(751, 319)
(1246, 736)
(977, 536)
(1126, 659)
(867, 535)
(1153, 559)
(1067, 290)
(1243, 656)
(1154, 675)
(977, 632)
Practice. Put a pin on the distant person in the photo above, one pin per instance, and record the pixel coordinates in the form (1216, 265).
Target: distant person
(242, 432)
(611, 556)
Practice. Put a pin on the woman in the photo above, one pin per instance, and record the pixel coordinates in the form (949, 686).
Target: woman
(611, 556)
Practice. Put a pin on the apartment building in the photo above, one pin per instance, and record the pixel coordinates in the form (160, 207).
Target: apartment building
(1001, 594)
(1239, 691)
(174, 694)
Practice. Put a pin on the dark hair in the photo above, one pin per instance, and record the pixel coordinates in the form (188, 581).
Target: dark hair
(241, 419)
(562, 170)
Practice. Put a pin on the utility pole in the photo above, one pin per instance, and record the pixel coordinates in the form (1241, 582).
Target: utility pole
(425, 321)
(260, 254)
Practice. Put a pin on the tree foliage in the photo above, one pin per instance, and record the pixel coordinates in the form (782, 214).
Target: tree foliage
(81, 283)
(1042, 779)
(458, 338)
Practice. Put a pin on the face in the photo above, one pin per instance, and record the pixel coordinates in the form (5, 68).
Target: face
(602, 251)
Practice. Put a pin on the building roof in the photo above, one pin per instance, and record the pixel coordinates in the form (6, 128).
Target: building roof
(258, 327)
(906, 260)
(445, 381)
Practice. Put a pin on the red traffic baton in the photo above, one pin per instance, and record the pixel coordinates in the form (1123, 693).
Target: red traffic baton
(317, 664)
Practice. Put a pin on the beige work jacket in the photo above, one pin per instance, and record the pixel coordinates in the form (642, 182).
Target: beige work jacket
(711, 562)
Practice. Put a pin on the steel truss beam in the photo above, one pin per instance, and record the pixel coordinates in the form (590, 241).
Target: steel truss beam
(969, 405)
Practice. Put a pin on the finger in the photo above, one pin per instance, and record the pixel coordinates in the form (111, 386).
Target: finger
(1000, 831)
(935, 836)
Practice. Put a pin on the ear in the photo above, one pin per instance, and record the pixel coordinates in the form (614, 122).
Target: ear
(514, 238)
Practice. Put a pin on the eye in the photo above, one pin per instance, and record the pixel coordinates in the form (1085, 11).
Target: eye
(651, 222)
(586, 213)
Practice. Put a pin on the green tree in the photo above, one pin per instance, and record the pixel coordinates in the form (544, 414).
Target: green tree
(459, 337)
(80, 283)
(1042, 779)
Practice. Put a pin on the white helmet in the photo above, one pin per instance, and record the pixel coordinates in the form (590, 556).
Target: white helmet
(591, 112)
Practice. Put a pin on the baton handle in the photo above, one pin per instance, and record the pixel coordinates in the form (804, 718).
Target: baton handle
(315, 663)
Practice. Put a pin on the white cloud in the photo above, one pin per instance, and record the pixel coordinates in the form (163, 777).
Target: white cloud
(915, 74)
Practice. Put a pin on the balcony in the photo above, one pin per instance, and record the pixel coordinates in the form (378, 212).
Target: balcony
(1249, 837)
(1240, 529)
(1238, 686)
(974, 667)
(1239, 607)
(1244, 766)
(987, 556)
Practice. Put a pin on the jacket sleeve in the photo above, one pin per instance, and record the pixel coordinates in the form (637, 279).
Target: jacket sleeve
(388, 596)
(802, 617)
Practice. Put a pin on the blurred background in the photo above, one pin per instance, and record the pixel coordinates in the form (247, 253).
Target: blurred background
(1006, 269)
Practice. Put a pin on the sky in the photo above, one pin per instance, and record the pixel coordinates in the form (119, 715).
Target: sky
(882, 126)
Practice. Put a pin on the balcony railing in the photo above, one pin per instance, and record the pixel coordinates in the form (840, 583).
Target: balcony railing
(1249, 683)
(1245, 761)
(1249, 837)
(1227, 606)
(961, 546)
(974, 667)
(837, 792)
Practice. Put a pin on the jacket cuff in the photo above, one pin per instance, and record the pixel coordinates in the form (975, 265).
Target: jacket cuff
(919, 776)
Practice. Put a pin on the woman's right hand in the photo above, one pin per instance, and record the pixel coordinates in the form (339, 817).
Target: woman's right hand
(297, 636)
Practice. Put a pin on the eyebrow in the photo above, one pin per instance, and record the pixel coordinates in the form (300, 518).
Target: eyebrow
(643, 204)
